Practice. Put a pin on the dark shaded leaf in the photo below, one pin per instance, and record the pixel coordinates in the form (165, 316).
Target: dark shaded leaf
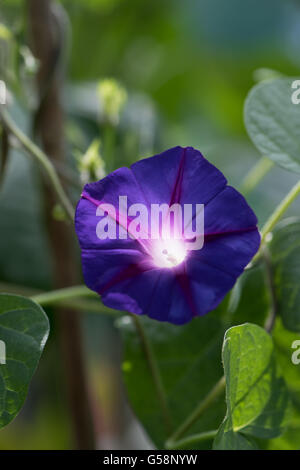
(24, 329)
(285, 250)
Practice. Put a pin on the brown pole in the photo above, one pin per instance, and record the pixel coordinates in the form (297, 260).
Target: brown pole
(47, 43)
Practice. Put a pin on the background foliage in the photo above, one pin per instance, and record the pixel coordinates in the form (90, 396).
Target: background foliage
(141, 77)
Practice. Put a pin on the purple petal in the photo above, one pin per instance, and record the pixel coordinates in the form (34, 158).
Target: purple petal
(214, 270)
(155, 293)
(178, 175)
(228, 212)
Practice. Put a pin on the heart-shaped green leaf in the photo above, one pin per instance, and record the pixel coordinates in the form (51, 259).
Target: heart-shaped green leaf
(24, 330)
(256, 394)
(273, 122)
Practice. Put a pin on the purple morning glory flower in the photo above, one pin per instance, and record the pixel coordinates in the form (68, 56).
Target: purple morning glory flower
(162, 277)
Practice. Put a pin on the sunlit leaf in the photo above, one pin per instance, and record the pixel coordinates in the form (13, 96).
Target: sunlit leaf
(256, 394)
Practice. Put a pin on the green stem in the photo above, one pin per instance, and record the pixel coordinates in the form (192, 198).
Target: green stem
(270, 322)
(77, 297)
(256, 174)
(71, 297)
(154, 371)
(251, 180)
(54, 296)
(216, 391)
(276, 216)
(84, 305)
(190, 440)
(8, 288)
(31, 148)
(280, 210)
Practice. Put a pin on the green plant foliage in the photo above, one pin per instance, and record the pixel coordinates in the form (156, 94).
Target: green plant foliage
(273, 122)
(227, 439)
(256, 394)
(285, 249)
(24, 330)
(137, 78)
(249, 300)
(184, 357)
(283, 341)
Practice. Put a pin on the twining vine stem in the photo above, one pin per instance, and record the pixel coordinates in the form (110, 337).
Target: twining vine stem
(77, 297)
(214, 393)
(270, 322)
(36, 152)
(190, 440)
(255, 175)
(280, 210)
(48, 298)
(276, 216)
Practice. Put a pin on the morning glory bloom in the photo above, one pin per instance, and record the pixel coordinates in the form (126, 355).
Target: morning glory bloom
(166, 237)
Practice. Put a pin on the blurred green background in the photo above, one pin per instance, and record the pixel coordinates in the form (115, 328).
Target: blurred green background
(170, 73)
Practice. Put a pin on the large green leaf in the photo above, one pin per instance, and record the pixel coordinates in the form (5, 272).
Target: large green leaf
(188, 359)
(24, 329)
(273, 122)
(256, 394)
(285, 249)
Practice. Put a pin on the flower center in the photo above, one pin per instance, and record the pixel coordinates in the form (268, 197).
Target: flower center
(168, 253)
